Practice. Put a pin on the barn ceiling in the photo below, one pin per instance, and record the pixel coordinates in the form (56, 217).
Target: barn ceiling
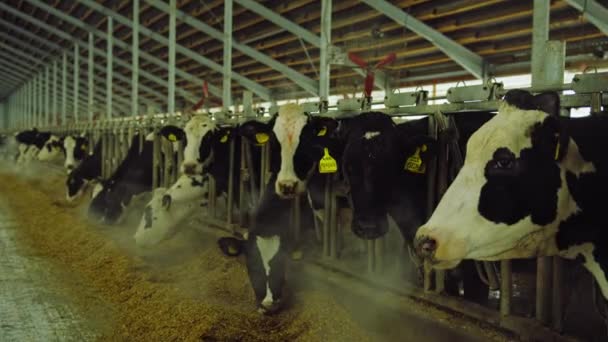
(34, 33)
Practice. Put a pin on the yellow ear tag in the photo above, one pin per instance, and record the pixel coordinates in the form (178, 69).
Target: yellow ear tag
(224, 138)
(414, 162)
(327, 164)
(83, 147)
(261, 138)
(172, 137)
(557, 151)
(322, 132)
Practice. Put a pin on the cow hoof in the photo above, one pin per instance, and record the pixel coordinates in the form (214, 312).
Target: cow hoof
(296, 255)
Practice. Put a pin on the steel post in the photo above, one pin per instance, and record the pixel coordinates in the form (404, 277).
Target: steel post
(91, 76)
(227, 60)
(64, 89)
(109, 69)
(540, 35)
(55, 93)
(76, 81)
(324, 68)
(135, 60)
(231, 165)
(47, 96)
(506, 283)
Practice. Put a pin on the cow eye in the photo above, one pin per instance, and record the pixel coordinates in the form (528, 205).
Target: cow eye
(504, 164)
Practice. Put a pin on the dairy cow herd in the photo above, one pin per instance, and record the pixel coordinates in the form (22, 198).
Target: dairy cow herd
(532, 184)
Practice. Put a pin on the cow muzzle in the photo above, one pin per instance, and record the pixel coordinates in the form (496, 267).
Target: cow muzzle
(190, 168)
(443, 251)
(287, 188)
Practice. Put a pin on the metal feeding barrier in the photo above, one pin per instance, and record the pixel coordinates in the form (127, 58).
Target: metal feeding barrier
(115, 135)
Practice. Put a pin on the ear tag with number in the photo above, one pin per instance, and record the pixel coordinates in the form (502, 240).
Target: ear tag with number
(224, 138)
(327, 164)
(322, 132)
(172, 137)
(261, 138)
(556, 151)
(414, 162)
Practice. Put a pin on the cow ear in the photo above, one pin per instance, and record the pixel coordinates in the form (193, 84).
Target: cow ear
(223, 134)
(548, 102)
(172, 133)
(257, 133)
(424, 144)
(324, 127)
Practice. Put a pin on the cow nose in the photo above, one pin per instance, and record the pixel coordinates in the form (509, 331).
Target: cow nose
(287, 188)
(70, 167)
(166, 201)
(426, 246)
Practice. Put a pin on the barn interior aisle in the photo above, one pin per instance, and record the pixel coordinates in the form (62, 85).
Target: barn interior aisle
(62, 274)
(34, 303)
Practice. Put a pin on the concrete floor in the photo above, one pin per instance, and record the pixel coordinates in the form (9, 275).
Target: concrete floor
(31, 307)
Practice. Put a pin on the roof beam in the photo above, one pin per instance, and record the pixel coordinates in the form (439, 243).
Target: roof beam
(13, 66)
(592, 11)
(99, 52)
(301, 80)
(299, 31)
(281, 21)
(96, 66)
(260, 90)
(469, 60)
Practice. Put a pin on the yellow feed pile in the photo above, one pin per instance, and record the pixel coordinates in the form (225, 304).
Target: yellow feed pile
(185, 291)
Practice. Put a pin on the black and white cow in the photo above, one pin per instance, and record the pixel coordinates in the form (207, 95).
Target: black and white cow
(31, 143)
(75, 148)
(132, 177)
(531, 185)
(298, 142)
(89, 170)
(52, 150)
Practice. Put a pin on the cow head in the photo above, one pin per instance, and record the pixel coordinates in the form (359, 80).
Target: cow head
(196, 133)
(107, 205)
(374, 165)
(75, 185)
(51, 149)
(301, 140)
(511, 194)
(168, 208)
(75, 150)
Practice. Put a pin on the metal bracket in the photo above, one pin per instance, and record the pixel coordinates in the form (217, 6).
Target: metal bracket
(349, 104)
(482, 92)
(311, 107)
(590, 83)
(396, 100)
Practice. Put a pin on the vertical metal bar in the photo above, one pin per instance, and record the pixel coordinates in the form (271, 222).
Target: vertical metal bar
(91, 76)
(135, 60)
(506, 281)
(55, 93)
(47, 96)
(109, 69)
(40, 100)
(540, 35)
(324, 70)
(557, 302)
(231, 164)
(76, 81)
(326, 213)
(543, 286)
(171, 80)
(64, 89)
(227, 71)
